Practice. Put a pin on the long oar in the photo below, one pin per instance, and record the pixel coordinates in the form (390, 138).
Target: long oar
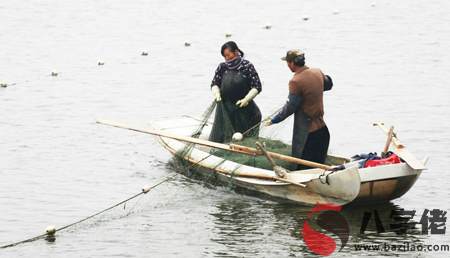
(266, 154)
(252, 151)
(388, 141)
(279, 170)
(401, 150)
(231, 147)
(261, 176)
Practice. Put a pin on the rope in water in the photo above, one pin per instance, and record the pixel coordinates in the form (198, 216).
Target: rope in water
(55, 73)
(122, 202)
(105, 210)
(128, 199)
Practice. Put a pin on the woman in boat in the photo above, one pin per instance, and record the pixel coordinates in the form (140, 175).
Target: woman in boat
(234, 86)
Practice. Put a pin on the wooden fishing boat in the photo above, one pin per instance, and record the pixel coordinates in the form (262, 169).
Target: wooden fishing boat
(323, 184)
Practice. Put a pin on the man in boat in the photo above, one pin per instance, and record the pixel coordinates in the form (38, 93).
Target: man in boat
(310, 137)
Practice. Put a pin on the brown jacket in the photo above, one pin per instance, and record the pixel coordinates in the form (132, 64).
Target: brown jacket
(308, 83)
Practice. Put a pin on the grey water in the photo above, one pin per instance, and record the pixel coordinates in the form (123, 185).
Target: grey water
(389, 61)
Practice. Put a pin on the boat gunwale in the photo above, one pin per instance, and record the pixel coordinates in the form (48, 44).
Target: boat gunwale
(401, 170)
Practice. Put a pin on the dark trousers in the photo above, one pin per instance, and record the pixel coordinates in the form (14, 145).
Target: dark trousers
(316, 147)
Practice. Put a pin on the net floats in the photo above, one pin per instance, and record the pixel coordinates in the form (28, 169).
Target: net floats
(145, 188)
(50, 230)
(237, 137)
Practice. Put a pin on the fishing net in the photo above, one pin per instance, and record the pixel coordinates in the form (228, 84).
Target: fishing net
(223, 129)
(173, 192)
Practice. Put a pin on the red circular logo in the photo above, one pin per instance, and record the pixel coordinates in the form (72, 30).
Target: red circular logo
(331, 221)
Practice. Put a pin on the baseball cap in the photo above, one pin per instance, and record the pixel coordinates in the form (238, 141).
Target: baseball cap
(293, 55)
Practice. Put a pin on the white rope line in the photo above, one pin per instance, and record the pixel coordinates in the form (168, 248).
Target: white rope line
(105, 210)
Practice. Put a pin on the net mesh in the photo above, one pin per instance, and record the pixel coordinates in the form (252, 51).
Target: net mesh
(267, 136)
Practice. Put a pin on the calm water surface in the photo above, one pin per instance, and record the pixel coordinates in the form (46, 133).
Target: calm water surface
(389, 63)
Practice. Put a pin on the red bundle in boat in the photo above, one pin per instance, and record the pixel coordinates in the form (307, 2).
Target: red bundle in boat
(393, 159)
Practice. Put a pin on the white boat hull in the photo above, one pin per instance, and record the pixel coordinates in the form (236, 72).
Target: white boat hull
(349, 186)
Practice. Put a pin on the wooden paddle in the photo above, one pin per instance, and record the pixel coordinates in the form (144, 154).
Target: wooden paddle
(401, 150)
(266, 154)
(388, 142)
(221, 146)
(279, 170)
(261, 176)
(201, 142)
(252, 151)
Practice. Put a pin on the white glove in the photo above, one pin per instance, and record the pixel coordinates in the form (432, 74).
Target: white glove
(216, 92)
(268, 122)
(251, 95)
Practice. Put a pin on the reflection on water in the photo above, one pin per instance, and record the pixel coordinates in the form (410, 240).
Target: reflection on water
(242, 227)
(355, 215)
(239, 225)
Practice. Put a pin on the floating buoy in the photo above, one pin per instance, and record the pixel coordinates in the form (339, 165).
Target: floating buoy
(50, 230)
(336, 11)
(145, 188)
(237, 137)
(268, 26)
(144, 52)
(305, 17)
(100, 62)
(54, 73)
(228, 34)
(3, 84)
(187, 43)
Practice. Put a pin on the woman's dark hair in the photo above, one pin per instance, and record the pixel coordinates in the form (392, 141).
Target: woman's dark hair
(232, 46)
